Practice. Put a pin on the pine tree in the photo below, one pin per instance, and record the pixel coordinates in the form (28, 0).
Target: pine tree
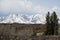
(47, 32)
(54, 24)
(51, 24)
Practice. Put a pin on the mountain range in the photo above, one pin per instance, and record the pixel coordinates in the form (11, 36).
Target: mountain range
(22, 18)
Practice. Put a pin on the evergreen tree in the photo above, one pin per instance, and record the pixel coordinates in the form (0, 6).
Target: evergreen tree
(51, 24)
(54, 24)
(47, 32)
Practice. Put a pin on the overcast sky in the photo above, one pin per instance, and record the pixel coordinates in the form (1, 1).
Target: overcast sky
(29, 6)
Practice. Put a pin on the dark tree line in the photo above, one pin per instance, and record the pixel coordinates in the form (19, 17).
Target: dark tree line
(51, 24)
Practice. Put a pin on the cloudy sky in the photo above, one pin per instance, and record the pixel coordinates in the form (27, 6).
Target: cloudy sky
(29, 6)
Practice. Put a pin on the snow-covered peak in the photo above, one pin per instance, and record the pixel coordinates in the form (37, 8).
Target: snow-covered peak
(18, 18)
(12, 18)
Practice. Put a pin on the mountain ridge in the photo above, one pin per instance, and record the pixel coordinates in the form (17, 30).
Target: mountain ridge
(21, 18)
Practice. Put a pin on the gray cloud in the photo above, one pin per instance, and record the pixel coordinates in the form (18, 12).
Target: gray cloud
(26, 6)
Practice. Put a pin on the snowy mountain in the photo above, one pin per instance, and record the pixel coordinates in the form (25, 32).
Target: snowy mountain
(21, 18)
